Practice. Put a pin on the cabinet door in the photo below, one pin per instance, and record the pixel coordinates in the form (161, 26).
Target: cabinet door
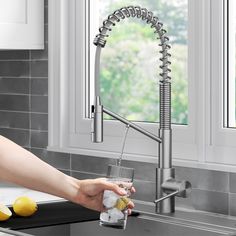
(22, 24)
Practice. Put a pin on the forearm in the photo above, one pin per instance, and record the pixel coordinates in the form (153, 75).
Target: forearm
(21, 167)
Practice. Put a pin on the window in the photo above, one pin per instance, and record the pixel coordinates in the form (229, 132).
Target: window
(230, 65)
(129, 63)
(205, 140)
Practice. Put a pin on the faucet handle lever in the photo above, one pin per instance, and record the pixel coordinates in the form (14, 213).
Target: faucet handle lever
(184, 187)
(167, 196)
(173, 187)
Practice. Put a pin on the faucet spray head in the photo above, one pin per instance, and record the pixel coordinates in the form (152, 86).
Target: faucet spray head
(97, 121)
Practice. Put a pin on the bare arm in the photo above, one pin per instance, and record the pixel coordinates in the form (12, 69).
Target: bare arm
(21, 167)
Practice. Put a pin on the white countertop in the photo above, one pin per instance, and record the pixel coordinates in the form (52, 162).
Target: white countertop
(8, 194)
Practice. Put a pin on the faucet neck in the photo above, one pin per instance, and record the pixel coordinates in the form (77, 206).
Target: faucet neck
(165, 81)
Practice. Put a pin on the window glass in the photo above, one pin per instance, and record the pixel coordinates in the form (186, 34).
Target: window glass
(130, 61)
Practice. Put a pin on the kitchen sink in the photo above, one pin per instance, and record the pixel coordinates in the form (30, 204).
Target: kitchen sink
(139, 225)
(63, 218)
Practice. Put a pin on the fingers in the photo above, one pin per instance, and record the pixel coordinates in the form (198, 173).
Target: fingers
(130, 205)
(133, 190)
(113, 187)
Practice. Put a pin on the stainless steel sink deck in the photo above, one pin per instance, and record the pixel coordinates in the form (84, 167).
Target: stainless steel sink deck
(149, 225)
(145, 224)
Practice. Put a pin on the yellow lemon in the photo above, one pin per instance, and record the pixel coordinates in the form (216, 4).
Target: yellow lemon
(24, 206)
(5, 212)
(122, 203)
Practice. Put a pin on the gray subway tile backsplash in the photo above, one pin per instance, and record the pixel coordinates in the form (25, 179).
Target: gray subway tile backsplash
(14, 85)
(56, 159)
(203, 200)
(90, 164)
(39, 68)
(142, 171)
(14, 102)
(39, 103)
(145, 190)
(232, 182)
(39, 139)
(211, 201)
(21, 137)
(14, 55)
(14, 68)
(84, 175)
(39, 86)
(205, 179)
(39, 121)
(232, 202)
(14, 120)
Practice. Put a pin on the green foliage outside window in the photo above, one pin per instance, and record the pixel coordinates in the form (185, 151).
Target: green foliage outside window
(130, 62)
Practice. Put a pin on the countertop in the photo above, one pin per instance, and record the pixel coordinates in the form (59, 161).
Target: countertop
(53, 211)
(8, 194)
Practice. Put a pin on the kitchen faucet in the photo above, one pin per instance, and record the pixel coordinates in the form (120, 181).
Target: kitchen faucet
(167, 187)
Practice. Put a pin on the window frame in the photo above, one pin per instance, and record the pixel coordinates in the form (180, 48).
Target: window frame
(229, 86)
(194, 145)
(221, 147)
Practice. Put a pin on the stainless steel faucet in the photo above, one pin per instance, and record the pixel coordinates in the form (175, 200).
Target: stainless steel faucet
(166, 185)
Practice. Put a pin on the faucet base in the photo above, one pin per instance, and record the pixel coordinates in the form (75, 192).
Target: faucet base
(168, 205)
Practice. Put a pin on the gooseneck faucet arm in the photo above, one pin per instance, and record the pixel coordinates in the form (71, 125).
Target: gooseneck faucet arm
(165, 173)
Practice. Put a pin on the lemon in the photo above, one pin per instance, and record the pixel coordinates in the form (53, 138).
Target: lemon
(5, 212)
(24, 206)
(122, 203)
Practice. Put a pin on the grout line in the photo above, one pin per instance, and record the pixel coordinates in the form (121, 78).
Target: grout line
(84, 172)
(15, 60)
(39, 59)
(24, 112)
(39, 148)
(23, 60)
(39, 77)
(22, 77)
(23, 129)
(63, 169)
(24, 94)
(14, 94)
(36, 95)
(13, 77)
(12, 128)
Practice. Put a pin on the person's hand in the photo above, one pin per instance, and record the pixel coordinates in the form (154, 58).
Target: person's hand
(90, 193)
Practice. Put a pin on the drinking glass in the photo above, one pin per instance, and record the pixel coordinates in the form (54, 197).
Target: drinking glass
(116, 212)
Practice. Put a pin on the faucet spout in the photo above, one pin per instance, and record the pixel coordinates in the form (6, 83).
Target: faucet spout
(132, 125)
(97, 121)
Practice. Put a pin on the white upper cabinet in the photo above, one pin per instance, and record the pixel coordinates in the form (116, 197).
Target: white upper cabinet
(22, 24)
